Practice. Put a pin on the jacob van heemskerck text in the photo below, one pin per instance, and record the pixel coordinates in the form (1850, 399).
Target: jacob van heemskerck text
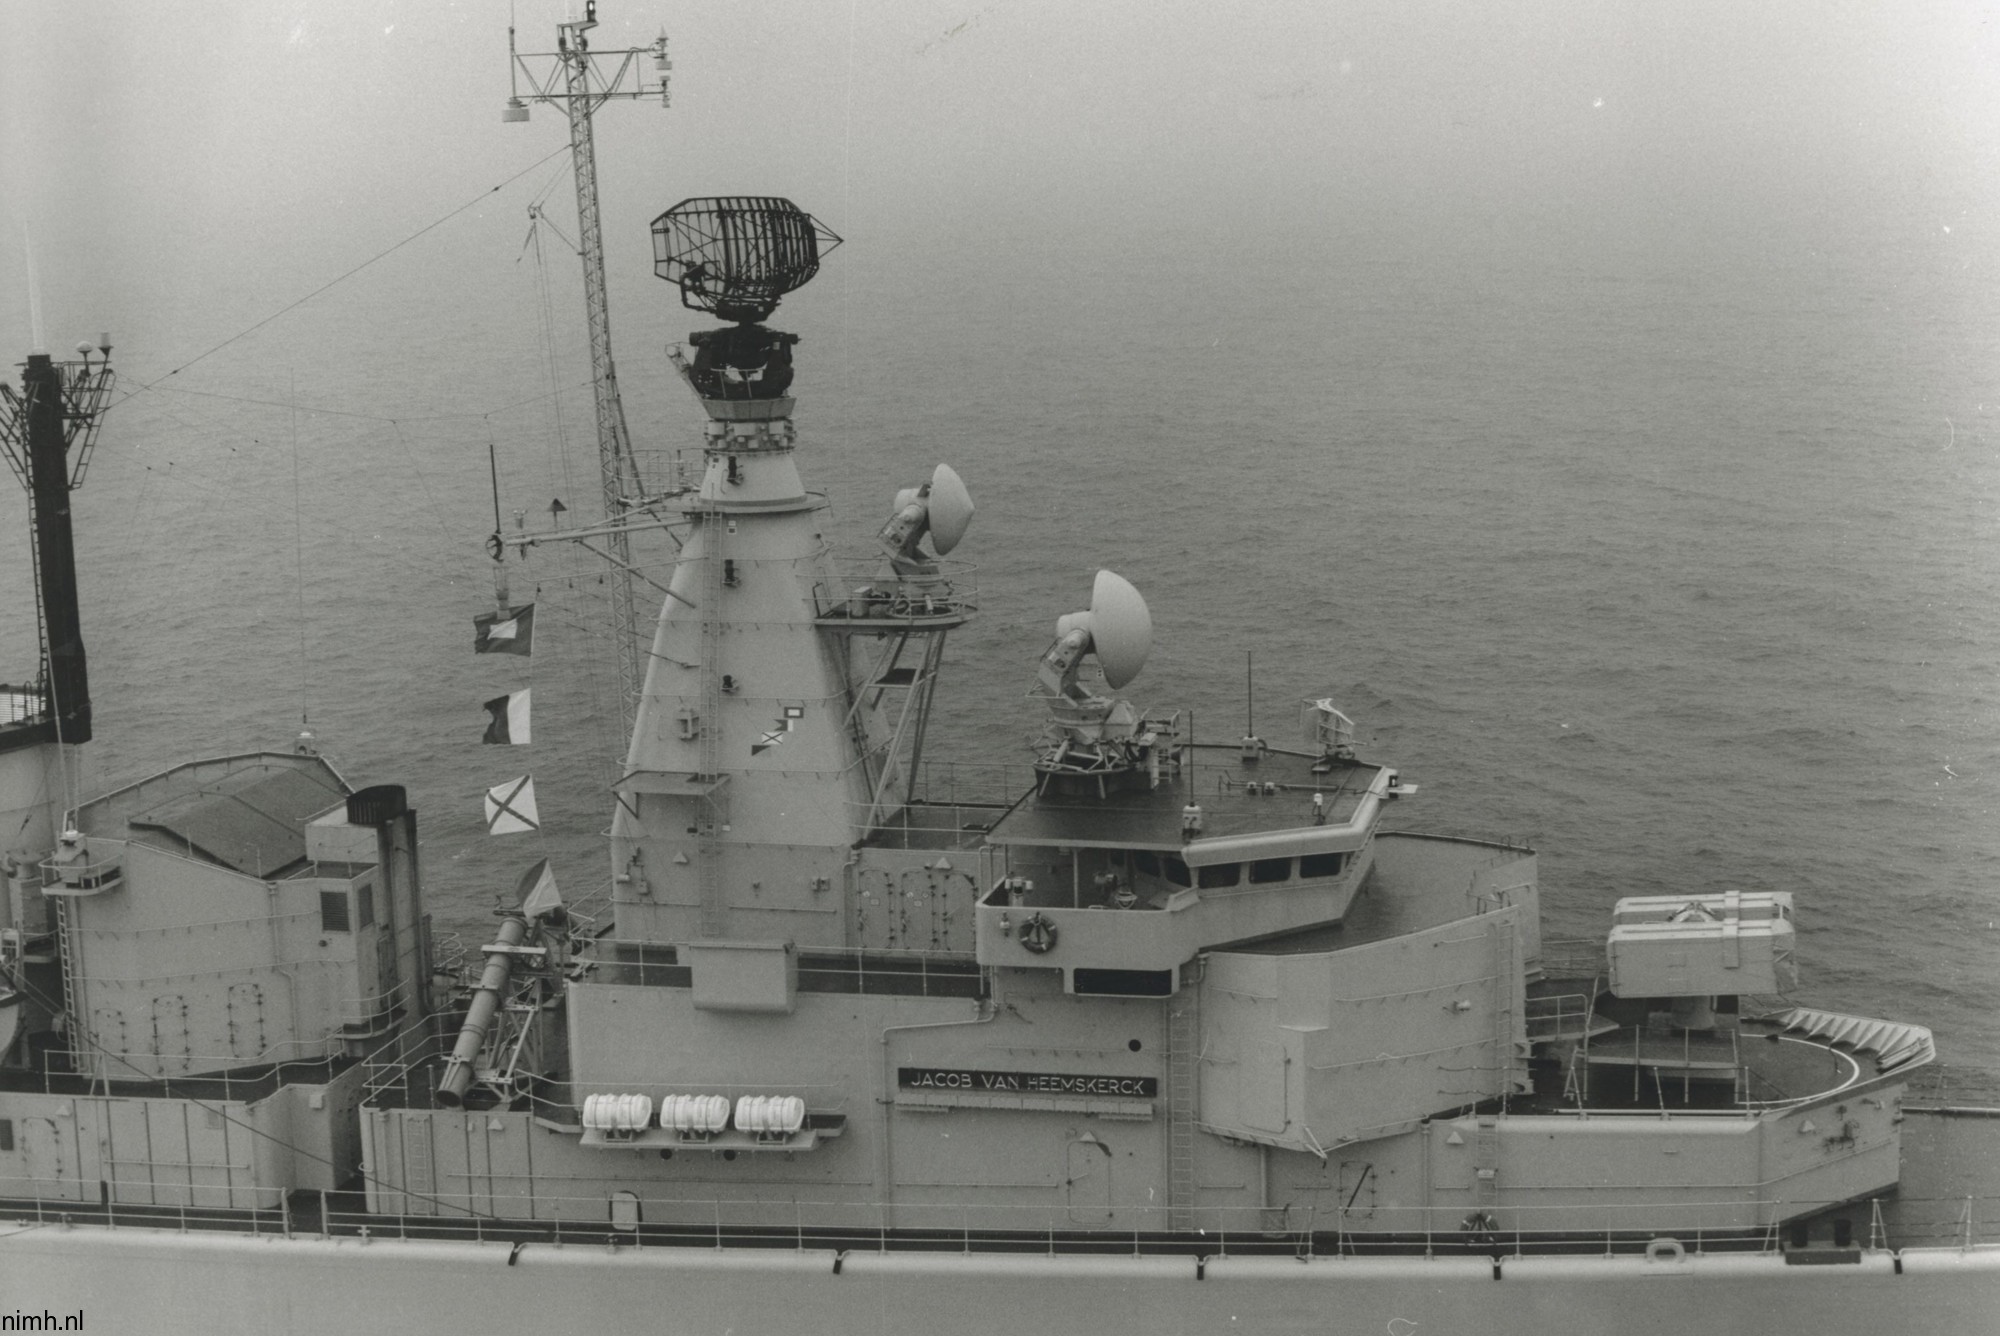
(1027, 1083)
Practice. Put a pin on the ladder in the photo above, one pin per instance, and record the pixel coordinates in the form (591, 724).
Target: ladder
(1507, 1055)
(709, 820)
(1183, 1037)
(73, 1003)
(1486, 1165)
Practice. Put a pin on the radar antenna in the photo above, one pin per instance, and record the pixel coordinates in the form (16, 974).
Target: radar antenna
(734, 256)
(1329, 732)
(941, 508)
(1090, 736)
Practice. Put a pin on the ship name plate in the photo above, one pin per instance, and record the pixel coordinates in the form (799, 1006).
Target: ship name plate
(1027, 1083)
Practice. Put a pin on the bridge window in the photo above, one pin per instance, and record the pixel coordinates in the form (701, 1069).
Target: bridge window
(1176, 870)
(1271, 869)
(1146, 861)
(1321, 865)
(1221, 874)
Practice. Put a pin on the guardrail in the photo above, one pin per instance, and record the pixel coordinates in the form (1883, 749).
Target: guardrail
(245, 1078)
(24, 704)
(1955, 1223)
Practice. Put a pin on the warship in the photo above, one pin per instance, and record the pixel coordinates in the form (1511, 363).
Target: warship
(1151, 1032)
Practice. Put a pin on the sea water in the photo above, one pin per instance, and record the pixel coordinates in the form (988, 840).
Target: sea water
(1678, 563)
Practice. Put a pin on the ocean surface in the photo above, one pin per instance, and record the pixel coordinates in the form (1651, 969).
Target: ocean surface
(1679, 561)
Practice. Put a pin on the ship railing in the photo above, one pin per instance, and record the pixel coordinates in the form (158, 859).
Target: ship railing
(1960, 1222)
(447, 954)
(590, 908)
(928, 825)
(390, 1078)
(23, 703)
(1954, 1087)
(1558, 1015)
(948, 785)
(868, 593)
(1519, 843)
(353, 1012)
(667, 472)
(1957, 1223)
(73, 1071)
(1573, 957)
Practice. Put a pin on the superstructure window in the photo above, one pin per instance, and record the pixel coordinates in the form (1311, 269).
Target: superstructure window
(6, 1134)
(1271, 869)
(333, 912)
(1321, 865)
(1124, 983)
(364, 905)
(1220, 874)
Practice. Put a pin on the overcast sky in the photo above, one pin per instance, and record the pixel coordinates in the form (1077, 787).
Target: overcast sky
(209, 158)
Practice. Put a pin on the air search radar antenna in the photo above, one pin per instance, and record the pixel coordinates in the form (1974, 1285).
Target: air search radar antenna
(735, 256)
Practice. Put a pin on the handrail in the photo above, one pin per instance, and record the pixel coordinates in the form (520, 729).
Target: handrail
(1960, 1223)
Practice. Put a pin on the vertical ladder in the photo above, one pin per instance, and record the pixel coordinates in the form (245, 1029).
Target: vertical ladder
(82, 1045)
(708, 853)
(1486, 1165)
(1183, 1037)
(1506, 970)
(73, 1003)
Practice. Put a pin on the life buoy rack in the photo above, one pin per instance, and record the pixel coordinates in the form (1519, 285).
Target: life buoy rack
(1038, 934)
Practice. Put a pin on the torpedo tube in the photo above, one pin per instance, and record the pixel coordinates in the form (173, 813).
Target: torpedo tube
(486, 999)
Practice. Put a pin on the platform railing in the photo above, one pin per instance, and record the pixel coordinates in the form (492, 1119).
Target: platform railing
(1951, 1223)
(295, 1061)
(864, 592)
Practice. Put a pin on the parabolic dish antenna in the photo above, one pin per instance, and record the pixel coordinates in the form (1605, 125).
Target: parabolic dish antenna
(736, 255)
(950, 509)
(1119, 626)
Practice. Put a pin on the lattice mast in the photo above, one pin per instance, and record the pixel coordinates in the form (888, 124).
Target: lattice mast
(47, 431)
(579, 81)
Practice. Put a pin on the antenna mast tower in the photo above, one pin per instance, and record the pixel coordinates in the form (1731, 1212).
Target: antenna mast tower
(571, 78)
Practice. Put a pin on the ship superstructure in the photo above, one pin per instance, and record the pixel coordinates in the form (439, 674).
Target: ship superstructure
(1161, 988)
(1152, 986)
(1121, 1020)
(1155, 987)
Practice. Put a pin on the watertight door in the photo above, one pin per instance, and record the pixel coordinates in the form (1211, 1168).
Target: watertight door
(1089, 1178)
(42, 1151)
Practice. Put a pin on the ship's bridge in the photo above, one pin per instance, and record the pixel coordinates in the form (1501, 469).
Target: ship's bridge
(1229, 845)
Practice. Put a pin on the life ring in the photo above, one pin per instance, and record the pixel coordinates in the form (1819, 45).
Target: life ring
(1038, 934)
(1665, 1250)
